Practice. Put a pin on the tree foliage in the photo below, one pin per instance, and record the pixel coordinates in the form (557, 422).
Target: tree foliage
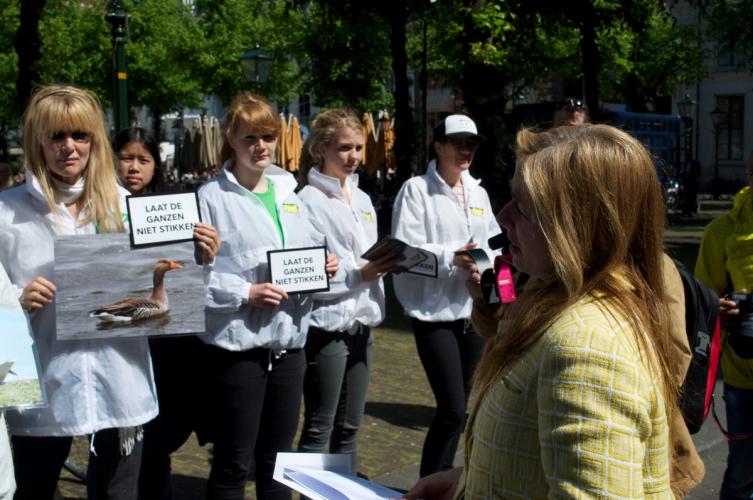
(75, 46)
(730, 24)
(232, 27)
(9, 18)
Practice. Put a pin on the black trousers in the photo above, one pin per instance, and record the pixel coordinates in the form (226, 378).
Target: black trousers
(110, 476)
(179, 375)
(449, 352)
(256, 400)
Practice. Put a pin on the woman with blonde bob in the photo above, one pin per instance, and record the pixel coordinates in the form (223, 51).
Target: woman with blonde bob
(573, 392)
(94, 387)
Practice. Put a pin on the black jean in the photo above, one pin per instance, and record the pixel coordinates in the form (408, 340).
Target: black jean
(110, 476)
(181, 392)
(449, 352)
(255, 415)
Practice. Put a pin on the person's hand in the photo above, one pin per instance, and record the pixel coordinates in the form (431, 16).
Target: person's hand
(473, 285)
(437, 486)
(729, 313)
(266, 295)
(379, 267)
(37, 294)
(331, 265)
(208, 240)
(465, 261)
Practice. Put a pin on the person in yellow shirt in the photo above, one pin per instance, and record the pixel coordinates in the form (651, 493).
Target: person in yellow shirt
(725, 263)
(572, 394)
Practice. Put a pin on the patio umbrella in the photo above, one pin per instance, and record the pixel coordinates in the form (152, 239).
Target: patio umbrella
(217, 140)
(282, 144)
(370, 154)
(295, 144)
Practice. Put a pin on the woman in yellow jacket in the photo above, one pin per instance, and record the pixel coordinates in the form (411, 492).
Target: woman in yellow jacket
(725, 263)
(572, 394)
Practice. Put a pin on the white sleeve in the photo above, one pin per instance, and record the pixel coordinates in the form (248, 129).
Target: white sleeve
(409, 225)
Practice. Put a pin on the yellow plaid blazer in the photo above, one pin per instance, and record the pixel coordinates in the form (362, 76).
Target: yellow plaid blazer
(578, 416)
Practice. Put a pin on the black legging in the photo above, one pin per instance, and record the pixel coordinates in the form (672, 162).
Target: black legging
(180, 382)
(449, 351)
(255, 415)
(38, 460)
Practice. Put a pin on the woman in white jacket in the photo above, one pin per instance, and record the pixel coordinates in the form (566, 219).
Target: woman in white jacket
(338, 346)
(255, 330)
(443, 211)
(98, 387)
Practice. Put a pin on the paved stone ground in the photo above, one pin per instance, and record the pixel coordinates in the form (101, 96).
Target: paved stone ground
(400, 404)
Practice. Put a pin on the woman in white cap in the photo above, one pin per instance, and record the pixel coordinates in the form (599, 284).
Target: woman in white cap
(444, 211)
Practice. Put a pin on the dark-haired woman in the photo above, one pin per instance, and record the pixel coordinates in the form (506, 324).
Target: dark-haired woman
(139, 162)
(179, 386)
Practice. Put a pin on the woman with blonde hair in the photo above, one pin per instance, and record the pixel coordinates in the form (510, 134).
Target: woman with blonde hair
(96, 387)
(572, 394)
(255, 330)
(338, 345)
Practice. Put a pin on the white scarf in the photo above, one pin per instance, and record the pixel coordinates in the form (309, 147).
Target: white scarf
(67, 193)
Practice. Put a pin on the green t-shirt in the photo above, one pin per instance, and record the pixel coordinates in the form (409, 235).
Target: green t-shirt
(268, 200)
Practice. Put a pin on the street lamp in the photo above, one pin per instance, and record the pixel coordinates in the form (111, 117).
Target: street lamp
(718, 118)
(117, 16)
(256, 65)
(686, 107)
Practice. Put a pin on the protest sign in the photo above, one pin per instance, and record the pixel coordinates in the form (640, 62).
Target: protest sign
(299, 270)
(161, 219)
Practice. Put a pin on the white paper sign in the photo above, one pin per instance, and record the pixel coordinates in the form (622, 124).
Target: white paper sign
(322, 476)
(160, 219)
(299, 270)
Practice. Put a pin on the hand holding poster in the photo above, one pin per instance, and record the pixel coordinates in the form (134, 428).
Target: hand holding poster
(299, 270)
(161, 219)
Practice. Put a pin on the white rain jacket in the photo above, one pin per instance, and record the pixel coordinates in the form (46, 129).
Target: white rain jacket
(248, 232)
(427, 215)
(7, 478)
(91, 384)
(350, 230)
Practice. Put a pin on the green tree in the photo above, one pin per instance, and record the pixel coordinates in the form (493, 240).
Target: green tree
(730, 24)
(75, 46)
(9, 18)
(232, 27)
(165, 57)
(636, 73)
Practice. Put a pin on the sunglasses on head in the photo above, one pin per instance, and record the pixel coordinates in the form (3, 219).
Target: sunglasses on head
(571, 103)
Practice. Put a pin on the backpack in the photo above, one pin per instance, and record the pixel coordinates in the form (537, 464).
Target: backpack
(704, 338)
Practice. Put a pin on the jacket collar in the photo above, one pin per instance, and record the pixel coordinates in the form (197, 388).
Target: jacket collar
(468, 180)
(742, 208)
(34, 188)
(330, 185)
(284, 181)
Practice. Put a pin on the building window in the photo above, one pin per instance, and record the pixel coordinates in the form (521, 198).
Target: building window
(729, 55)
(304, 108)
(731, 129)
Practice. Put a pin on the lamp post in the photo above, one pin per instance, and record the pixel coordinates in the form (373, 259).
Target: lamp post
(686, 107)
(116, 16)
(180, 152)
(256, 65)
(718, 118)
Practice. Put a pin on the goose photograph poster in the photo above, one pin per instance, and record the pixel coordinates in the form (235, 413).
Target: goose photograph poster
(106, 289)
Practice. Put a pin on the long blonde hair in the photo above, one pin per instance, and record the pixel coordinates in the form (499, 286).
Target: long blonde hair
(322, 133)
(598, 202)
(63, 107)
(254, 112)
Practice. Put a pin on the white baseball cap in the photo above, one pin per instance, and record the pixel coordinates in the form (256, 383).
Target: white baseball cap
(456, 126)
